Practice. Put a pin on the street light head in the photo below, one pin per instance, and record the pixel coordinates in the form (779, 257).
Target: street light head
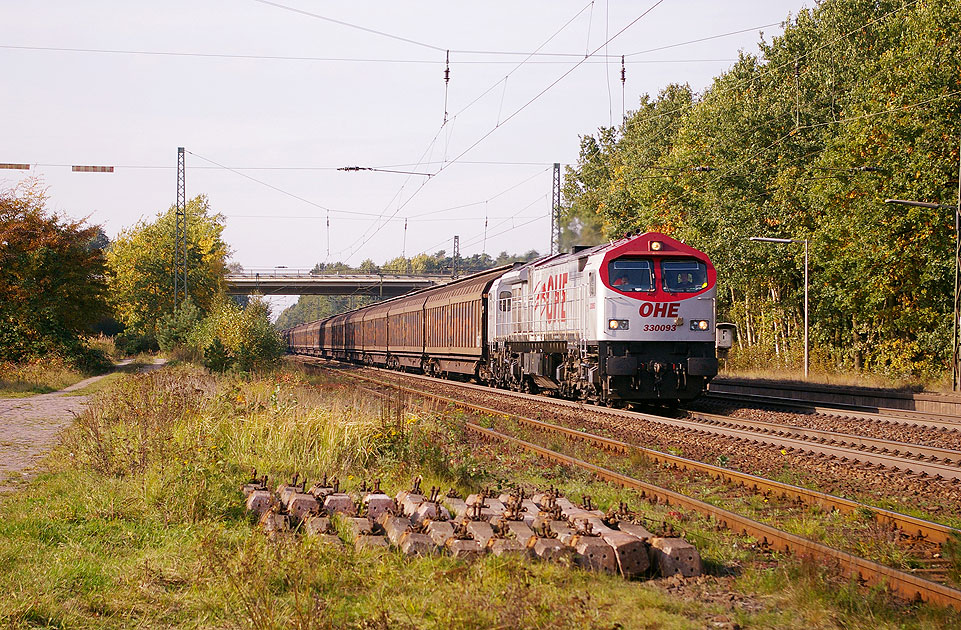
(767, 239)
(920, 204)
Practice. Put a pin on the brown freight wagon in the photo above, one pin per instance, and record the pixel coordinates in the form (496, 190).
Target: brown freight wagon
(437, 330)
(455, 317)
(375, 334)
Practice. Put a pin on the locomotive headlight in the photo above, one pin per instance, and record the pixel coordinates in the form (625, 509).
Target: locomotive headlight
(700, 324)
(656, 246)
(618, 324)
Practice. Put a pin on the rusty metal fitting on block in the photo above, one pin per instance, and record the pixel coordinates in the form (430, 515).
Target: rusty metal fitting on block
(255, 483)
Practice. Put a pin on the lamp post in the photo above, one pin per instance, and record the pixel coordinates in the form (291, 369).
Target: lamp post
(787, 241)
(955, 368)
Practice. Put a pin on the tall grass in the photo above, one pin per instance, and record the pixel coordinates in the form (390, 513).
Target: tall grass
(139, 522)
(38, 376)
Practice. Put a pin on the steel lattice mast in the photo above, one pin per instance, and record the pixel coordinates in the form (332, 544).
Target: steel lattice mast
(180, 233)
(556, 211)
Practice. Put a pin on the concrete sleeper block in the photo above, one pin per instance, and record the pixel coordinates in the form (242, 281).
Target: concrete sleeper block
(675, 555)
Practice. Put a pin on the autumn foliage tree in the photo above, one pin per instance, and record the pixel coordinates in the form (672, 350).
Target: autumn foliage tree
(140, 264)
(52, 287)
(855, 102)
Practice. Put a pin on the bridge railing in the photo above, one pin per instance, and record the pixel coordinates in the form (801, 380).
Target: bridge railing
(306, 273)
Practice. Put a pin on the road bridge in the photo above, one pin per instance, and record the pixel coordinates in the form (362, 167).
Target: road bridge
(291, 282)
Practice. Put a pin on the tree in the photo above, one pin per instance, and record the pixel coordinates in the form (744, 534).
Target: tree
(140, 266)
(234, 337)
(856, 101)
(52, 286)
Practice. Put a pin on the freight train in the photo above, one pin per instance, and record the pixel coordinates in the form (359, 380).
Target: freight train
(631, 321)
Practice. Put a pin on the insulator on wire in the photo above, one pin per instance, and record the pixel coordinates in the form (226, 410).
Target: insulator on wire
(446, 85)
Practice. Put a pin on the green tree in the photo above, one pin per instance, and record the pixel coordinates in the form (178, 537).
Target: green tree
(140, 266)
(855, 102)
(231, 336)
(52, 286)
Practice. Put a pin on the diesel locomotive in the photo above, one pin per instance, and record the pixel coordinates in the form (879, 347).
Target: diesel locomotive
(628, 321)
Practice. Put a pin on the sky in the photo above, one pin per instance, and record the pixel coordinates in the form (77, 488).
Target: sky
(270, 98)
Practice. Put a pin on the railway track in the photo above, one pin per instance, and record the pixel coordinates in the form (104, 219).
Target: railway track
(920, 460)
(905, 584)
(908, 417)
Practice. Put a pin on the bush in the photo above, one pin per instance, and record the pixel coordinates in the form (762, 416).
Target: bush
(131, 342)
(174, 328)
(235, 337)
(216, 357)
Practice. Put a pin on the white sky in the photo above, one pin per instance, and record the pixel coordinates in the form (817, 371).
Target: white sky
(290, 123)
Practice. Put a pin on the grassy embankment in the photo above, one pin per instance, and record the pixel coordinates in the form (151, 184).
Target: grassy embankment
(139, 521)
(53, 373)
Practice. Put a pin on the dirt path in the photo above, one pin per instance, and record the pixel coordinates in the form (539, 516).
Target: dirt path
(29, 427)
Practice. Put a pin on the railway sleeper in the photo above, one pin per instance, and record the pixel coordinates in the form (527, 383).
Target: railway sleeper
(546, 526)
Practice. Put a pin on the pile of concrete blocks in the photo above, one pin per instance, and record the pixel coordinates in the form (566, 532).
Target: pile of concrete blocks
(545, 526)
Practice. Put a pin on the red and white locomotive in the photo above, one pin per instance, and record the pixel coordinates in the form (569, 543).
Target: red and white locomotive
(629, 321)
(632, 320)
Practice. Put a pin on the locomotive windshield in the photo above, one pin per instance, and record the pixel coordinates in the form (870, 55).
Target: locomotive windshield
(631, 275)
(683, 276)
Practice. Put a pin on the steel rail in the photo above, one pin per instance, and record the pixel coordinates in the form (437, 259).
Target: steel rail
(930, 531)
(861, 442)
(886, 460)
(895, 462)
(907, 586)
(891, 415)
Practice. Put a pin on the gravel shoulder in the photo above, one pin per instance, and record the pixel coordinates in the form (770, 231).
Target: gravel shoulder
(30, 427)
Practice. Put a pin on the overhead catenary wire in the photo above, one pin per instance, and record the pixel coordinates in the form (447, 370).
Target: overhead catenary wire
(763, 72)
(516, 215)
(368, 234)
(523, 107)
(350, 25)
(562, 57)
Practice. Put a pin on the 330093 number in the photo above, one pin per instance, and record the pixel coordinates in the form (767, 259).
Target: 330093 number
(660, 327)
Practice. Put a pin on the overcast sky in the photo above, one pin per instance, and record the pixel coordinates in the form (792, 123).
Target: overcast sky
(286, 92)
